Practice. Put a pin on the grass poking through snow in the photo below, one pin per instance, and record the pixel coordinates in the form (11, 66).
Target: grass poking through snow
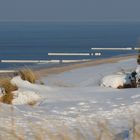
(8, 87)
(5, 84)
(28, 75)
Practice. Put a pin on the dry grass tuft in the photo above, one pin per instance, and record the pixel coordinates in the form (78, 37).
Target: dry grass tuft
(7, 97)
(28, 75)
(7, 85)
(32, 103)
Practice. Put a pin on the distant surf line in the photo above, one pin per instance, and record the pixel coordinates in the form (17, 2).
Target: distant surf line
(74, 54)
(115, 49)
(42, 61)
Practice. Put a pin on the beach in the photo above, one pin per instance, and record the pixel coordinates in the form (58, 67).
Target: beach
(68, 67)
(69, 70)
(72, 98)
(59, 68)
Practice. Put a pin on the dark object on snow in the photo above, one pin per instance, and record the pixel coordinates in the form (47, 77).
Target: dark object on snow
(133, 82)
(138, 58)
(132, 85)
(138, 83)
(134, 74)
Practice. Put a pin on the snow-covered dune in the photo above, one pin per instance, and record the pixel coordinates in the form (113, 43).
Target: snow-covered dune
(77, 95)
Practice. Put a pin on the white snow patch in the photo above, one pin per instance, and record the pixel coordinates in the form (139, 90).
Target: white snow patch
(27, 85)
(82, 103)
(138, 69)
(135, 96)
(25, 97)
(72, 108)
(94, 102)
(25, 94)
(116, 80)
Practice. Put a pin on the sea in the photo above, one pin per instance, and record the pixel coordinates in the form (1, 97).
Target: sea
(50, 41)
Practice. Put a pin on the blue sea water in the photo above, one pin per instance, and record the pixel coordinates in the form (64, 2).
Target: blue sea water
(34, 40)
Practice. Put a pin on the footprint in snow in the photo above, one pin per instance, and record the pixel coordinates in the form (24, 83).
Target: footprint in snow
(115, 105)
(135, 96)
(137, 102)
(72, 108)
(122, 104)
(108, 102)
(81, 103)
(86, 107)
(71, 112)
(119, 98)
(55, 111)
(94, 102)
(100, 109)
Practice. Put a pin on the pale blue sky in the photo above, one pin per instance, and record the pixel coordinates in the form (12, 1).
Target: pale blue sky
(68, 10)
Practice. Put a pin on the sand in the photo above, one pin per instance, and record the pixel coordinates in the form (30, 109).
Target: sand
(57, 70)
(67, 67)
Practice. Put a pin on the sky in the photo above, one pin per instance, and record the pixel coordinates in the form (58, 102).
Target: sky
(70, 10)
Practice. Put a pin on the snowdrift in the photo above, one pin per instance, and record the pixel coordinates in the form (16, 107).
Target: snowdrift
(24, 96)
(117, 81)
(122, 80)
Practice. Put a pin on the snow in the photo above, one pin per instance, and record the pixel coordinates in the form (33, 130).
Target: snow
(138, 76)
(77, 95)
(2, 91)
(138, 69)
(121, 78)
(25, 97)
(25, 84)
(116, 80)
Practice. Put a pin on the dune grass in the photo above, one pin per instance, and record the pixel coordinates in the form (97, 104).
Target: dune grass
(28, 75)
(5, 83)
(56, 131)
(50, 129)
(8, 87)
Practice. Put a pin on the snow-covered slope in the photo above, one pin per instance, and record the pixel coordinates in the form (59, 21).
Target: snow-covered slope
(77, 95)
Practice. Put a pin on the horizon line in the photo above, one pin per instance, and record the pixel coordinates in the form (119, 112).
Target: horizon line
(69, 20)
